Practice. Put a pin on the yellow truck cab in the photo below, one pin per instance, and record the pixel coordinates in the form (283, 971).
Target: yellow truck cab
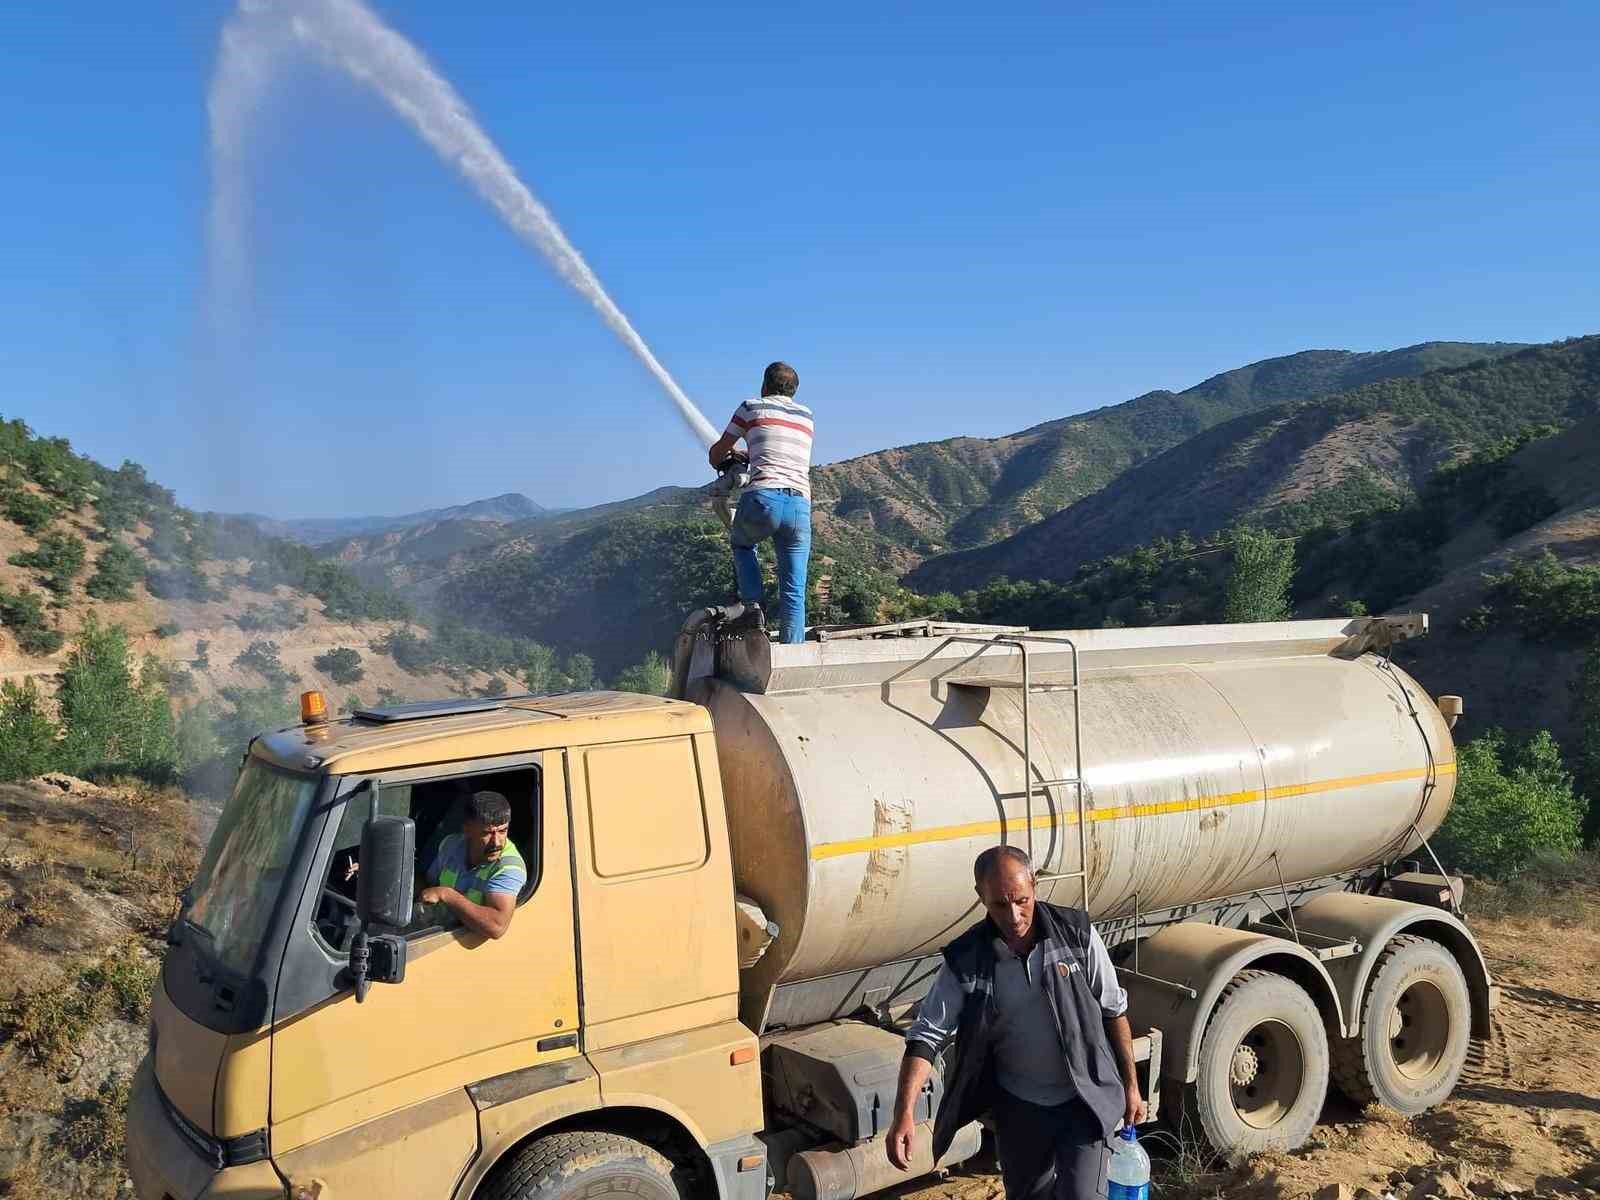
(609, 1006)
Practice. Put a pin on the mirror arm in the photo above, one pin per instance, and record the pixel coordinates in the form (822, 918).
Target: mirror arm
(361, 963)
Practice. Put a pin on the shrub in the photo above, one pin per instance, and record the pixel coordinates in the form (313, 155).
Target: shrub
(114, 715)
(495, 687)
(651, 677)
(1514, 802)
(23, 614)
(48, 1023)
(262, 657)
(341, 664)
(1523, 509)
(167, 629)
(248, 712)
(32, 512)
(28, 735)
(280, 614)
(58, 559)
(412, 653)
(202, 655)
(116, 572)
(1544, 599)
(1586, 720)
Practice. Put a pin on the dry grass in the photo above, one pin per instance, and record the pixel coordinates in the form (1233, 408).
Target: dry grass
(1559, 888)
(99, 1131)
(47, 1023)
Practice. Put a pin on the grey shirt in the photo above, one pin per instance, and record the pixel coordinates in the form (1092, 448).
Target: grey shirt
(1027, 1056)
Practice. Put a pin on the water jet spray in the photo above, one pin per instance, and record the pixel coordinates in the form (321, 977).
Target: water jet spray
(348, 36)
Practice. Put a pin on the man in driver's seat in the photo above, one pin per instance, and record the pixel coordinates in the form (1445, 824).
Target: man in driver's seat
(478, 872)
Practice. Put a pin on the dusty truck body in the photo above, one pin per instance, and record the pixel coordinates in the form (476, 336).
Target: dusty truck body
(736, 899)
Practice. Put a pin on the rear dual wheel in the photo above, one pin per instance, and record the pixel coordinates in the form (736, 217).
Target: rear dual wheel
(1416, 1019)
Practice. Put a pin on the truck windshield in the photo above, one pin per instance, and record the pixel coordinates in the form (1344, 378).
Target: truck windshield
(245, 863)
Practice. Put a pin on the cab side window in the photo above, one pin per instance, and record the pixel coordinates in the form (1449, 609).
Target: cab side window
(437, 806)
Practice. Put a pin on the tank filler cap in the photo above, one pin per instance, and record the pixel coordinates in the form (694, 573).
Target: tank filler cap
(1451, 708)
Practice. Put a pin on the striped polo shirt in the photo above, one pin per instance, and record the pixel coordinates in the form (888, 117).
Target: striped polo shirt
(778, 432)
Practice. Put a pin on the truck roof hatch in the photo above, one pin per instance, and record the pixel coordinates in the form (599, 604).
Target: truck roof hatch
(423, 710)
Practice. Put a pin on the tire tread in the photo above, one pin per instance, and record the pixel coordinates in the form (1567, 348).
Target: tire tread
(564, 1154)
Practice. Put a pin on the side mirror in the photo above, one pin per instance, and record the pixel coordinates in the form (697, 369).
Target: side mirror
(388, 864)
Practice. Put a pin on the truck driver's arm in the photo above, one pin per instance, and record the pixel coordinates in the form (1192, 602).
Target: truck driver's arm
(491, 918)
(935, 1025)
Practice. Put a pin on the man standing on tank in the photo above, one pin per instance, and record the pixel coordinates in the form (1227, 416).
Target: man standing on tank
(777, 505)
(1031, 1000)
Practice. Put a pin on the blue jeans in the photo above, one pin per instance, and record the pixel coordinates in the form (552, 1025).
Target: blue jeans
(785, 518)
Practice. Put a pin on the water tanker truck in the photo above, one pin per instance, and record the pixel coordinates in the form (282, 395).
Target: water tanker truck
(737, 896)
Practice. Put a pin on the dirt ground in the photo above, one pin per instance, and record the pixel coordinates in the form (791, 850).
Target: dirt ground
(1524, 1121)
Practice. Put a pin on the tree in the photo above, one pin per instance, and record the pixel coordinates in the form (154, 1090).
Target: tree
(27, 734)
(1258, 585)
(539, 669)
(341, 664)
(1513, 803)
(651, 676)
(580, 672)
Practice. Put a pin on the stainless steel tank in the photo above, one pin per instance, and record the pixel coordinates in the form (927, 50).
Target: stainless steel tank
(862, 777)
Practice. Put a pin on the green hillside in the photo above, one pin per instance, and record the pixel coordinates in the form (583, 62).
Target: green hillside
(1292, 464)
(614, 590)
(918, 500)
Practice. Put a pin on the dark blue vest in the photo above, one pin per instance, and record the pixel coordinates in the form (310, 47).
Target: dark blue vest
(969, 1081)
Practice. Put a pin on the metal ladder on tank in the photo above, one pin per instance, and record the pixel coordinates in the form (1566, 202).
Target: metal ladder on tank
(1025, 684)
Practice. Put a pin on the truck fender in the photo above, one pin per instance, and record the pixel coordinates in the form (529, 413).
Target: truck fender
(1374, 921)
(1203, 959)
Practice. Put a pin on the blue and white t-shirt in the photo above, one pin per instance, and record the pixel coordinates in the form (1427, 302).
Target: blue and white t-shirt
(505, 874)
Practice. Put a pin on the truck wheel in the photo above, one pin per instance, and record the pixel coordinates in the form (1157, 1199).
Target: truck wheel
(583, 1164)
(1415, 1022)
(1263, 1066)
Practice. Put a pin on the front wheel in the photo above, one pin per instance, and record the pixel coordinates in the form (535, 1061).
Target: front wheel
(1416, 1020)
(582, 1165)
(1263, 1066)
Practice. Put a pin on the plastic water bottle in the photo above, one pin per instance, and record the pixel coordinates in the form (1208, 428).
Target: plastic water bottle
(1128, 1176)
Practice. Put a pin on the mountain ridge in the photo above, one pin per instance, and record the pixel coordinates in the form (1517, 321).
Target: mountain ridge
(1384, 437)
(504, 509)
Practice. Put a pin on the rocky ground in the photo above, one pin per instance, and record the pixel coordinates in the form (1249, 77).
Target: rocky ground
(88, 876)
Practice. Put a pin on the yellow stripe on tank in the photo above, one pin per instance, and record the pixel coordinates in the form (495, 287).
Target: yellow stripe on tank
(952, 833)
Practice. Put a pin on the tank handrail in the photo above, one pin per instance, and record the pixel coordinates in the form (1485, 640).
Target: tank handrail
(1020, 642)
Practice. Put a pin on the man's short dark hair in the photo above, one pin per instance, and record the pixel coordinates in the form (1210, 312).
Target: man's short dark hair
(489, 808)
(987, 865)
(780, 380)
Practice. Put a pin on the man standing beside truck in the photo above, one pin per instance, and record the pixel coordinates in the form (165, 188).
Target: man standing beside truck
(1031, 1000)
(777, 505)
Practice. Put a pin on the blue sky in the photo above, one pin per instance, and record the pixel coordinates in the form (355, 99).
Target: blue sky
(953, 219)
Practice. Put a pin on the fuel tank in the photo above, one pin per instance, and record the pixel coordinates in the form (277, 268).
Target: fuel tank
(862, 777)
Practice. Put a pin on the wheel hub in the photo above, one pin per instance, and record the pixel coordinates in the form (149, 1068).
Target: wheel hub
(1245, 1067)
